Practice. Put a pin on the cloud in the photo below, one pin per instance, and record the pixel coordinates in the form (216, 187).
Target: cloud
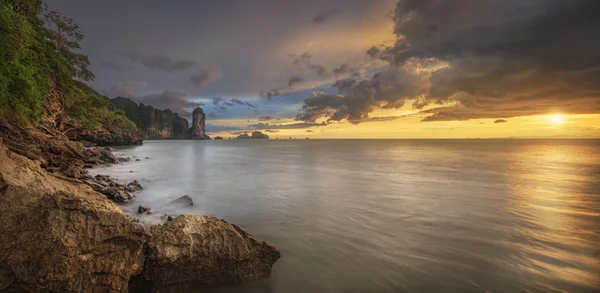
(157, 62)
(271, 131)
(175, 101)
(126, 89)
(294, 80)
(111, 65)
(240, 102)
(500, 121)
(310, 130)
(478, 59)
(204, 76)
(216, 100)
(323, 16)
(260, 125)
(266, 118)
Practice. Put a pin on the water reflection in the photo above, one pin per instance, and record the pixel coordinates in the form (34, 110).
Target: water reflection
(396, 216)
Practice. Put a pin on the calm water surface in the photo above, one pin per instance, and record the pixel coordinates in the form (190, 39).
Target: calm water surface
(394, 215)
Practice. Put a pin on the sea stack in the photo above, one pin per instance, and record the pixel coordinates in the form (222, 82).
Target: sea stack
(198, 124)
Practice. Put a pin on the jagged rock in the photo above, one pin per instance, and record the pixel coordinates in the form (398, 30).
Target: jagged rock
(184, 200)
(198, 124)
(60, 236)
(143, 209)
(205, 250)
(114, 190)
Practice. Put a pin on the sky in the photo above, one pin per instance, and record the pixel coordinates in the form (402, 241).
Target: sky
(354, 68)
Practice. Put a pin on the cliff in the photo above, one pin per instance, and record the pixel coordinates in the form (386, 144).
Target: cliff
(198, 124)
(153, 123)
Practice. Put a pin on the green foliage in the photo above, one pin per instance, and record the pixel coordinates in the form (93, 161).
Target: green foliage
(38, 56)
(24, 69)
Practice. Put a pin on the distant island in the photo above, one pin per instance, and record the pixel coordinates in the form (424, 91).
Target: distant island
(255, 135)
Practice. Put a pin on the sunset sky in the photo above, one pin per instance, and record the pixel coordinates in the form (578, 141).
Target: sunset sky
(354, 68)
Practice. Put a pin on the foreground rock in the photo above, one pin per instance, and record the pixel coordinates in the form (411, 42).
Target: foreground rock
(59, 236)
(204, 250)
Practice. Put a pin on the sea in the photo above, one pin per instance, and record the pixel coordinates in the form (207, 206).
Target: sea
(430, 215)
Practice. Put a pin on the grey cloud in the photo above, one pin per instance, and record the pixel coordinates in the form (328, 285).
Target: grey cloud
(294, 80)
(127, 89)
(240, 102)
(204, 76)
(175, 101)
(229, 104)
(111, 65)
(495, 59)
(271, 130)
(266, 118)
(310, 130)
(216, 100)
(157, 62)
(323, 16)
(500, 121)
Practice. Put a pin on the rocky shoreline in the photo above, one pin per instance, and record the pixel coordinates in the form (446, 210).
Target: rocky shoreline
(63, 231)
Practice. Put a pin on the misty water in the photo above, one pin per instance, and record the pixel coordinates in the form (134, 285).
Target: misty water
(393, 215)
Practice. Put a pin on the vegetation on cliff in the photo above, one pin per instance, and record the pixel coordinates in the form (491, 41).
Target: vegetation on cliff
(42, 73)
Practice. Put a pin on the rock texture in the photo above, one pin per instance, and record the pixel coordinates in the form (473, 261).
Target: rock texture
(153, 123)
(198, 124)
(60, 236)
(204, 250)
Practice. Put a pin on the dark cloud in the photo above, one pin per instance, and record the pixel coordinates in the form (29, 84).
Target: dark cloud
(111, 65)
(271, 130)
(126, 89)
(175, 101)
(240, 102)
(222, 109)
(204, 76)
(304, 61)
(310, 130)
(268, 118)
(294, 80)
(479, 59)
(157, 62)
(500, 121)
(323, 16)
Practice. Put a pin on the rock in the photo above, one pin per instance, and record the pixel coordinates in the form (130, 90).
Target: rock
(255, 135)
(153, 123)
(146, 158)
(60, 236)
(198, 124)
(137, 160)
(113, 190)
(143, 209)
(184, 200)
(204, 250)
(170, 218)
(218, 138)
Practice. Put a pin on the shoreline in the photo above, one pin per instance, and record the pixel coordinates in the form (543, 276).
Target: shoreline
(64, 229)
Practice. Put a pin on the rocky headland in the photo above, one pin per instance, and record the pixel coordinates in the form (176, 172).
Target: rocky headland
(255, 135)
(154, 123)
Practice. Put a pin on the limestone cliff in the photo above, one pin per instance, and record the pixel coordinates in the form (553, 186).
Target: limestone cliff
(198, 124)
(153, 123)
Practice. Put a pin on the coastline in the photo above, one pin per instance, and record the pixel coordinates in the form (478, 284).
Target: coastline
(46, 188)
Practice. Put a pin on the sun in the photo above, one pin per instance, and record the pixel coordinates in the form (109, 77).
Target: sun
(557, 119)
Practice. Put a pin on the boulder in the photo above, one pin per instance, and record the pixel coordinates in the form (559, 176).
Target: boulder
(204, 250)
(61, 236)
(184, 200)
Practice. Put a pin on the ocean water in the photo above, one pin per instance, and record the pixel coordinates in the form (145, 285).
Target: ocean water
(393, 215)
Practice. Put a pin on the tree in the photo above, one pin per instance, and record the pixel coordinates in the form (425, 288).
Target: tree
(66, 36)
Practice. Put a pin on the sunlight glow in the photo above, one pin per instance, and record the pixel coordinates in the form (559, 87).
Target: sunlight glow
(557, 119)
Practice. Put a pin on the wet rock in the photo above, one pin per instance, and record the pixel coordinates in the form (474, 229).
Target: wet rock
(137, 160)
(147, 158)
(205, 250)
(60, 236)
(114, 190)
(198, 124)
(143, 209)
(184, 200)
